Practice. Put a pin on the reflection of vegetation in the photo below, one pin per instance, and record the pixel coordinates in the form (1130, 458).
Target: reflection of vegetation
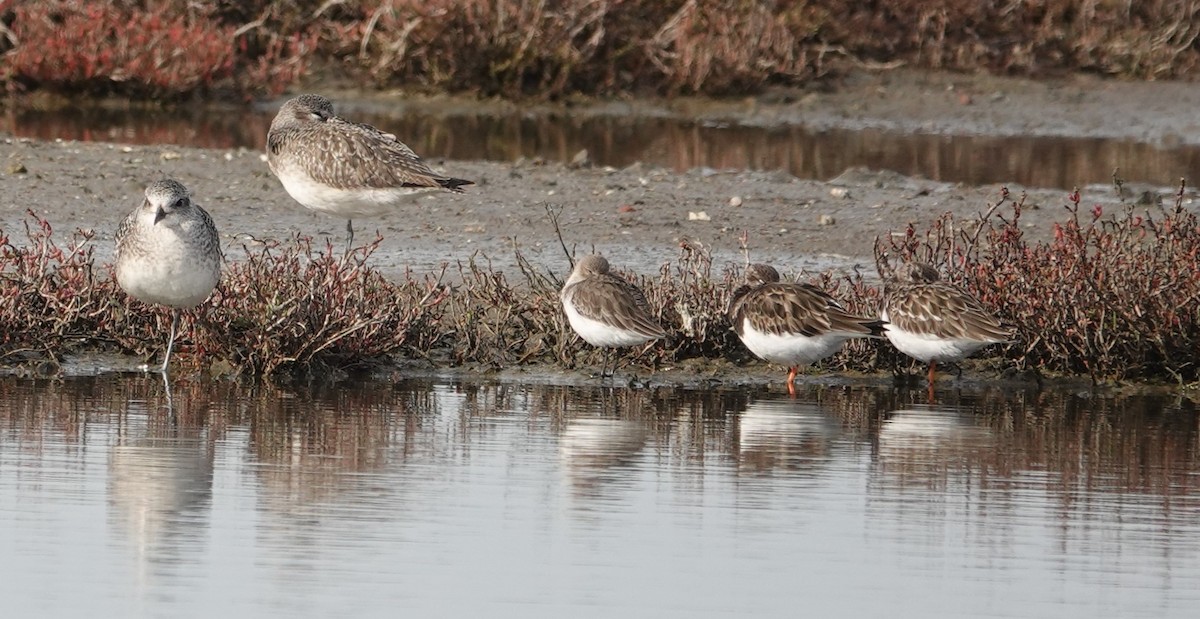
(167, 49)
(996, 437)
(1134, 443)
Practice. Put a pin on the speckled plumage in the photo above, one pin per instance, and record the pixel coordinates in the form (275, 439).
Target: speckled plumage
(605, 310)
(931, 320)
(790, 323)
(168, 251)
(333, 165)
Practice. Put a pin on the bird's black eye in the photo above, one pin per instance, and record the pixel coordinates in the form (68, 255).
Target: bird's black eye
(178, 203)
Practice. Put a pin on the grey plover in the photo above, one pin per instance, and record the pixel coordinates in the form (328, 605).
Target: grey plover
(344, 168)
(792, 324)
(605, 310)
(931, 320)
(168, 252)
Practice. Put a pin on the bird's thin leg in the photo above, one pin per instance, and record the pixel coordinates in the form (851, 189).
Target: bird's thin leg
(170, 341)
(791, 377)
(603, 361)
(349, 238)
(929, 390)
(616, 363)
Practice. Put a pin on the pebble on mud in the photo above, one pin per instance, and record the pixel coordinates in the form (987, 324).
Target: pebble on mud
(826, 220)
(735, 201)
(839, 192)
(698, 216)
(16, 167)
(580, 160)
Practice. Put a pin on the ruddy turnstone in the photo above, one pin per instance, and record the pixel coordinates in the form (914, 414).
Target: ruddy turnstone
(792, 324)
(931, 320)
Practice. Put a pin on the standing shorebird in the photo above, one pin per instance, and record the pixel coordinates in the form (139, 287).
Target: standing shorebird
(168, 252)
(605, 310)
(931, 320)
(336, 166)
(792, 324)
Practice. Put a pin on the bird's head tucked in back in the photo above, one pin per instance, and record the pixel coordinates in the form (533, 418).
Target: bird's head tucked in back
(302, 110)
(759, 274)
(165, 198)
(917, 273)
(593, 265)
(587, 266)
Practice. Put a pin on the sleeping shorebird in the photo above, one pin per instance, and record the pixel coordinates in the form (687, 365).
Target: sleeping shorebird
(605, 310)
(931, 320)
(168, 253)
(336, 166)
(792, 324)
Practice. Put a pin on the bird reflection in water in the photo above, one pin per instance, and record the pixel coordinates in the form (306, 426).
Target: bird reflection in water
(924, 444)
(160, 483)
(784, 434)
(600, 454)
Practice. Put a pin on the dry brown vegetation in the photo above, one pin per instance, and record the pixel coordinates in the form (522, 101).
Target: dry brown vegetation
(552, 48)
(153, 49)
(1112, 297)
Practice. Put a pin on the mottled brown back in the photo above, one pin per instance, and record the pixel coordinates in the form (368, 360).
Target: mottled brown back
(345, 154)
(613, 301)
(779, 308)
(918, 302)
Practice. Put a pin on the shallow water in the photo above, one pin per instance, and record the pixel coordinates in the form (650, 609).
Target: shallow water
(621, 139)
(448, 498)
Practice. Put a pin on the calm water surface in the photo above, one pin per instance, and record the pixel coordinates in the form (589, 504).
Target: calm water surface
(676, 143)
(446, 499)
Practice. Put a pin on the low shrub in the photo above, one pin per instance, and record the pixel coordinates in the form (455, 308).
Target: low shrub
(289, 307)
(520, 48)
(1113, 297)
(50, 295)
(155, 50)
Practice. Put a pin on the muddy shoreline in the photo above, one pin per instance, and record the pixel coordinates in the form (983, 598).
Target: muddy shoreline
(637, 216)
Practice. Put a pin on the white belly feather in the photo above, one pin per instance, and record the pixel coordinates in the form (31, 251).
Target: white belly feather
(600, 334)
(791, 349)
(176, 283)
(929, 348)
(346, 202)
